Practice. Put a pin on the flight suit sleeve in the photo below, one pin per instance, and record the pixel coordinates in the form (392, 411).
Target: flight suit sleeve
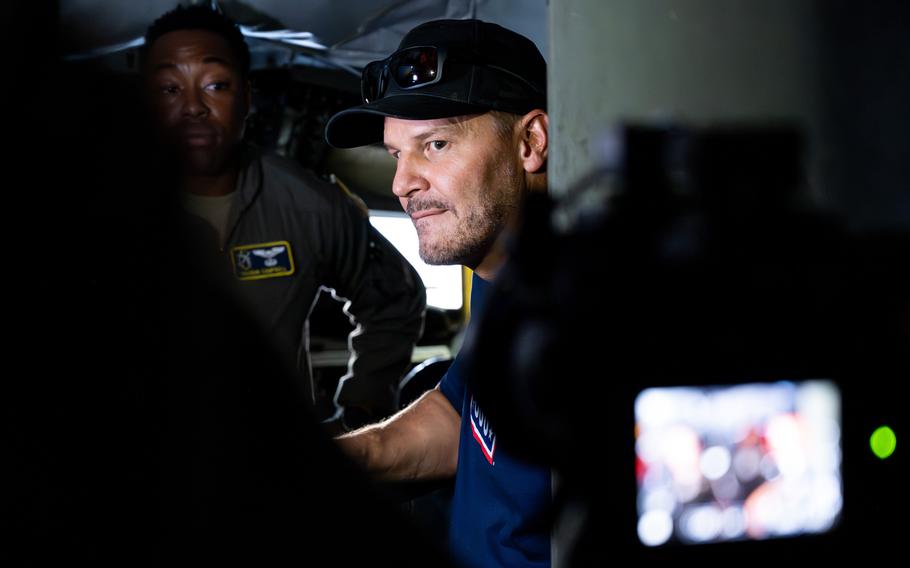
(386, 301)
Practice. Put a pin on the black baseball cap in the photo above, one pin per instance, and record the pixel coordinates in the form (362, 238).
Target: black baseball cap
(441, 69)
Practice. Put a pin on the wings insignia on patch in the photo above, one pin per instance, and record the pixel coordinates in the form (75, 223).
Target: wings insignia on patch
(263, 260)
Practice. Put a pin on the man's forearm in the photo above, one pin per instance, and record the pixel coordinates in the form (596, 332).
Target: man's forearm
(361, 445)
(420, 442)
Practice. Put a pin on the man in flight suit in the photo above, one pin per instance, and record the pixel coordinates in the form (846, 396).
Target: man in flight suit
(287, 233)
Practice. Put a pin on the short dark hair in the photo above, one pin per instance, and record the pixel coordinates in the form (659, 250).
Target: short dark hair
(199, 17)
(504, 122)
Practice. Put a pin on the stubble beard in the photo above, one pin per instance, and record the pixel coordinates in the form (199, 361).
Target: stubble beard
(477, 227)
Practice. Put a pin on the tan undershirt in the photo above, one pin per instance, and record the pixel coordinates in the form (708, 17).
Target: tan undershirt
(215, 210)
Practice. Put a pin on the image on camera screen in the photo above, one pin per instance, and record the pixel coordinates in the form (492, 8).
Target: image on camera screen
(748, 461)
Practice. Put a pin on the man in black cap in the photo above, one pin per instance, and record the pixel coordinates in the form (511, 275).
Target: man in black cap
(287, 233)
(460, 106)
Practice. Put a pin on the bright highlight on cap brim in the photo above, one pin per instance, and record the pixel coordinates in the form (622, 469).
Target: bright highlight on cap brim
(883, 442)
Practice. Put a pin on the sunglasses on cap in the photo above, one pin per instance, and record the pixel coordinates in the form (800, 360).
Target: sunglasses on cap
(417, 67)
(409, 68)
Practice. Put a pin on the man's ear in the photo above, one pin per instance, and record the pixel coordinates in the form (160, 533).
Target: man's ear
(535, 138)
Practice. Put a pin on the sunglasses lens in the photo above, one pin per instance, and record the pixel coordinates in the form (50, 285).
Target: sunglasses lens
(409, 68)
(415, 67)
(371, 86)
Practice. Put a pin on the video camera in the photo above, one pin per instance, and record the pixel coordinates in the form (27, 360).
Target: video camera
(701, 355)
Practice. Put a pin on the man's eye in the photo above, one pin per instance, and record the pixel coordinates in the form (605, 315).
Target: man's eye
(169, 89)
(218, 86)
(438, 144)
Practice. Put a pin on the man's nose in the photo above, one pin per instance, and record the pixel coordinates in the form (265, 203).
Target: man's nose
(194, 103)
(409, 177)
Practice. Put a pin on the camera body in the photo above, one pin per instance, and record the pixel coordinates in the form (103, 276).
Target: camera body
(695, 262)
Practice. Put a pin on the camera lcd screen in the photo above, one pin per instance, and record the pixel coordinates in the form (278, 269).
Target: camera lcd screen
(749, 461)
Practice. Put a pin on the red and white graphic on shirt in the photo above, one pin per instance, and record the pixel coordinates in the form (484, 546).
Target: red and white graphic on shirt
(483, 432)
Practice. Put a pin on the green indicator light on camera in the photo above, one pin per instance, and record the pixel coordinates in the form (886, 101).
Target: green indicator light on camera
(883, 442)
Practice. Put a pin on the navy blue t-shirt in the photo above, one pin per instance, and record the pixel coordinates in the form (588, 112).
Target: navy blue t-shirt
(499, 510)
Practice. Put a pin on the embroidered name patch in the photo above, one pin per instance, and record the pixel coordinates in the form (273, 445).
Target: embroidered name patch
(483, 433)
(265, 260)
